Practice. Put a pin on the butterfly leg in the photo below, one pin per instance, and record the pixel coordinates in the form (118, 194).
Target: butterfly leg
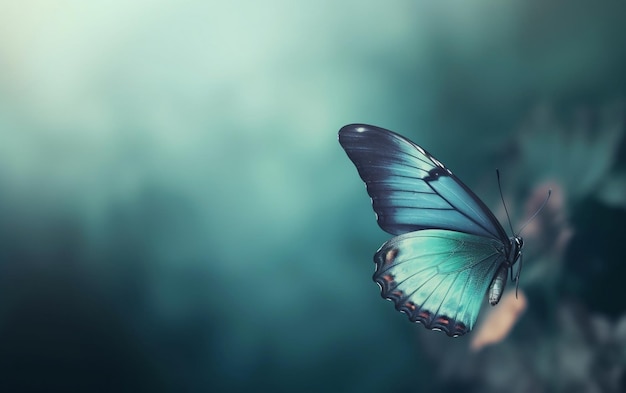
(519, 271)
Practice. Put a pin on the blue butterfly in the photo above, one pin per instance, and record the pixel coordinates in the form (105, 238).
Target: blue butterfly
(450, 250)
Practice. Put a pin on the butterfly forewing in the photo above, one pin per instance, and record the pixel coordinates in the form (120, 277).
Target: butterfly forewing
(410, 189)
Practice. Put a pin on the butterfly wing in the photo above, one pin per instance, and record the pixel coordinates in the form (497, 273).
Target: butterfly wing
(438, 277)
(410, 189)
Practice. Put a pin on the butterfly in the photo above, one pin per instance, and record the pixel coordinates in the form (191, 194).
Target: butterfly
(449, 250)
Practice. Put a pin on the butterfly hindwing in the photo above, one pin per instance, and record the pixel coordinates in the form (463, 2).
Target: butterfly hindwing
(438, 277)
(410, 189)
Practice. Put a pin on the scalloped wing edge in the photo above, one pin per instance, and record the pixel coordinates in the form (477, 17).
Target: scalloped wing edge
(386, 282)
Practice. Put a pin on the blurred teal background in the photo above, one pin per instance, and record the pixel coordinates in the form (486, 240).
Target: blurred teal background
(177, 215)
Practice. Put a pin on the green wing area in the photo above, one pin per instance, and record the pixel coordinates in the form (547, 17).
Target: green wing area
(438, 277)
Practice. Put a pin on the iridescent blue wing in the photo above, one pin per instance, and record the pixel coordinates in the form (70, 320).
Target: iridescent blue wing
(412, 190)
(438, 277)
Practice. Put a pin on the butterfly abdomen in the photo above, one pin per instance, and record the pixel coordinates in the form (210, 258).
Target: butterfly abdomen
(497, 284)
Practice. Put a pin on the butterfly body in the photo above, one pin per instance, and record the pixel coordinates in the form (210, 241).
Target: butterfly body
(450, 250)
(499, 280)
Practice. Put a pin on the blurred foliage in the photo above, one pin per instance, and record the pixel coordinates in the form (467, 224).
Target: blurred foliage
(177, 214)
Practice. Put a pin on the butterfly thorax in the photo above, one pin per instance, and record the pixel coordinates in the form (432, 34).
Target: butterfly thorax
(496, 289)
(515, 250)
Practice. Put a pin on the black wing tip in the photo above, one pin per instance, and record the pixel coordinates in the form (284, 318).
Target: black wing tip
(359, 128)
(352, 131)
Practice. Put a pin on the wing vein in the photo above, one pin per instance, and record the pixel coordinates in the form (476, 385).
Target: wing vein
(495, 235)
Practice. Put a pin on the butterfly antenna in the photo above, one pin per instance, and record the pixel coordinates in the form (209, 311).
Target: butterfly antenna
(502, 197)
(545, 201)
